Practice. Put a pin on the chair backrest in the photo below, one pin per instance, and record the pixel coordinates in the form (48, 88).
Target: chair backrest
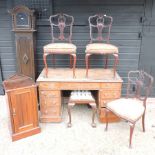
(61, 27)
(139, 85)
(97, 24)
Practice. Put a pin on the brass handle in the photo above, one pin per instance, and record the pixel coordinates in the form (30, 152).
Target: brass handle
(14, 112)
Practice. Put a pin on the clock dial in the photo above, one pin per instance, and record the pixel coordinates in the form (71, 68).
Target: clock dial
(22, 20)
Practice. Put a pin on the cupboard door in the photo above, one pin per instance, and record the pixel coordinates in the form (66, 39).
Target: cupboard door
(23, 106)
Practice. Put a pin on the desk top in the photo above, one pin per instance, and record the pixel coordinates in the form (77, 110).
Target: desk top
(66, 75)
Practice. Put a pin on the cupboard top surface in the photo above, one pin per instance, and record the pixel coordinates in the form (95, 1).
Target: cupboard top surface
(18, 81)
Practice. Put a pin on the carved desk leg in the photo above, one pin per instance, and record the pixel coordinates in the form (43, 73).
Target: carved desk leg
(93, 105)
(70, 105)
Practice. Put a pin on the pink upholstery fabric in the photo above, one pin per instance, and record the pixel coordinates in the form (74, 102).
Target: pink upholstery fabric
(101, 48)
(60, 48)
(129, 109)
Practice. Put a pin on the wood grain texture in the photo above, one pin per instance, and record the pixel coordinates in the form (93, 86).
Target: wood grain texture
(102, 80)
(23, 106)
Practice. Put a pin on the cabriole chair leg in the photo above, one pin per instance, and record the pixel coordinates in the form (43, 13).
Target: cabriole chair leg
(87, 63)
(106, 61)
(132, 126)
(143, 122)
(74, 64)
(115, 63)
(46, 69)
(106, 117)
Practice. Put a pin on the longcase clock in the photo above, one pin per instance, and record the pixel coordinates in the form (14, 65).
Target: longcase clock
(23, 23)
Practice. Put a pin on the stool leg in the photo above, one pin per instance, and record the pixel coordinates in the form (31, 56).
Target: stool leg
(70, 105)
(93, 105)
(45, 63)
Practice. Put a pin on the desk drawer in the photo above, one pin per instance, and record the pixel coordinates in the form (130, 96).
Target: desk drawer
(49, 86)
(80, 86)
(109, 94)
(51, 111)
(111, 116)
(111, 86)
(44, 102)
(50, 94)
(103, 103)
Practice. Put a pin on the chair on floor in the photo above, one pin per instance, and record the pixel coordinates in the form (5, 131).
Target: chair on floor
(61, 31)
(100, 44)
(133, 107)
(81, 97)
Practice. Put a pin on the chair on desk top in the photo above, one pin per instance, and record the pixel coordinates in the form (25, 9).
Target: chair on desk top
(133, 107)
(100, 40)
(61, 31)
(81, 97)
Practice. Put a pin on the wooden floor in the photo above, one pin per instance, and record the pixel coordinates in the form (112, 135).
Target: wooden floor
(66, 74)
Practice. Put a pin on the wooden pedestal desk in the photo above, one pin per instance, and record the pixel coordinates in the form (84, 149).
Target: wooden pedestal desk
(102, 80)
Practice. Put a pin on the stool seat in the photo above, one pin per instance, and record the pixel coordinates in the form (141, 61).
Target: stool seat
(81, 97)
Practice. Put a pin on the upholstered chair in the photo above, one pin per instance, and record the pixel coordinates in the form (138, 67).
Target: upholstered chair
(61, 33)
(133, 107)
(100, 40)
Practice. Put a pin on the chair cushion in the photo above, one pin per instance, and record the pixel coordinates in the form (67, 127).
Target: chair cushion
(129, 109)
(81, 96)
(60, 48)
(101, 48)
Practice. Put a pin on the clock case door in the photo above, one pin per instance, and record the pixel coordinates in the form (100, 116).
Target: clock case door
(25, 51)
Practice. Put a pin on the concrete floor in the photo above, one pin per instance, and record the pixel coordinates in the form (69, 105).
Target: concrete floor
(81, 139)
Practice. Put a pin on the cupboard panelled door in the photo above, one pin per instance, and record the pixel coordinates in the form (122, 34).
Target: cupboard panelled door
(23, 108)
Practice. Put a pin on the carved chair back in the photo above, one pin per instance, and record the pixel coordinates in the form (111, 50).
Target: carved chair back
(61, 27)
(139, 85)
(98, 23)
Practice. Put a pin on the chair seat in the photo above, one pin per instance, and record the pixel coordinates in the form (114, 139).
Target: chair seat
(81, 96)
(129, 109)
(57, 48)
(101, 48)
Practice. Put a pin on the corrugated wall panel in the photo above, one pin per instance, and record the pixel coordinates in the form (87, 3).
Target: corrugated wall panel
(124, 34)
(7, 52)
